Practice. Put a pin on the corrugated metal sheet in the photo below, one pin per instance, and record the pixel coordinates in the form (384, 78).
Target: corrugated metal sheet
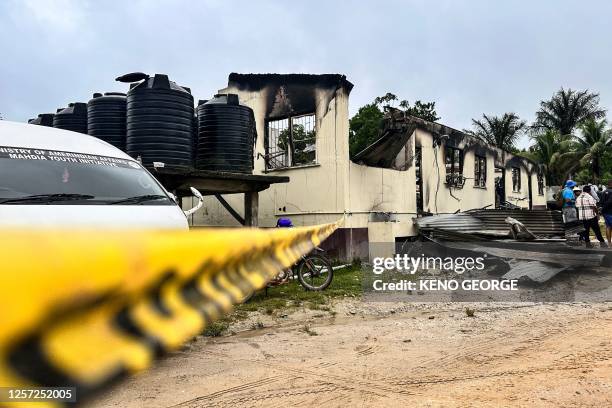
(540, 222)
(492, 222)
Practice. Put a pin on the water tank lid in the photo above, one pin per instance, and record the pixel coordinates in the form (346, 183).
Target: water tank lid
(75, 107)
(132, 77)
(159, 81)
(227, 99)
(202, 101)
(114, 94)
(97, 95)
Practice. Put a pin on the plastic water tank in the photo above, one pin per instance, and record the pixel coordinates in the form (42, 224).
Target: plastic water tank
(159, 121)
(226, 135)
(43, 119)
(74, 118)
(106, 118)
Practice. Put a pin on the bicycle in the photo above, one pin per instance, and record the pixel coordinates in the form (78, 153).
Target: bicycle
(314, 272)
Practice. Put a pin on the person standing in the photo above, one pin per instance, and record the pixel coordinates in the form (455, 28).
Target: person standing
(568, 202)
(587, 213)
(606, 210)
(594, 192)
(573, 227)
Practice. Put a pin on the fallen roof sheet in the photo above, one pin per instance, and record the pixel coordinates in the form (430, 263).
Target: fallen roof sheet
(492, 223)
(533, 271)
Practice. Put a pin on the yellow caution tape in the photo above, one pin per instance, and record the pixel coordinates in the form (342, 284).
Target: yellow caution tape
(84, 308)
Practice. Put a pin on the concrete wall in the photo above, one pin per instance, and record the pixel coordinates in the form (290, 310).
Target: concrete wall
(317, 193)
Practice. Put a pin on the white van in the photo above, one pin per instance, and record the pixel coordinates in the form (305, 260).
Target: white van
(57, 178)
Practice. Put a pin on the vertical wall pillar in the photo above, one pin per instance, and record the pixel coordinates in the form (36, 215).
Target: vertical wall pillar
(251, 208)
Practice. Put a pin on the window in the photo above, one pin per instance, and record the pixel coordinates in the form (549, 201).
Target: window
(60, 178)
(516, 179)
(453, 161)
(540, 184)
(480, 171)
(418, 158)
(290, 142)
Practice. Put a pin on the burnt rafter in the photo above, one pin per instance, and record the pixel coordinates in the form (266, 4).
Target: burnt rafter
(398, 127)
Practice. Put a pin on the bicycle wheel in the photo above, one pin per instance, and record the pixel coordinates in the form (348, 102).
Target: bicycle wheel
(315, 272)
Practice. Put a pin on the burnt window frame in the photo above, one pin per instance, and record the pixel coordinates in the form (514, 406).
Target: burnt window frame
(289, 161)
(518, 179)
(453, 171)
(541, 184)
(480, 172)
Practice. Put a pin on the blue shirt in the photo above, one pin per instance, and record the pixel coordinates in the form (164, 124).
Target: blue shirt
(568, 194)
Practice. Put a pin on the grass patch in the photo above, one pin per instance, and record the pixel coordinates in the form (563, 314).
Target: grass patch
(347, 283)
(216, 329)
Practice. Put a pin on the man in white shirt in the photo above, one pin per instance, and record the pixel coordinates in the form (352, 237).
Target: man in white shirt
(588, 214)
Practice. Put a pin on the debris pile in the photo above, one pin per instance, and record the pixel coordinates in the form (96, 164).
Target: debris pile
(476, 225)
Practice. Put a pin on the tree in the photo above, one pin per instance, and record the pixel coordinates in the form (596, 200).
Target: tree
(423, 110)
(502, 132)
(365, 126)
(592, 144)
(303, 144)
(554, 152)
(566, 110)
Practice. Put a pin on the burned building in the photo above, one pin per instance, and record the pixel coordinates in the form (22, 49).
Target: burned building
(415, 167)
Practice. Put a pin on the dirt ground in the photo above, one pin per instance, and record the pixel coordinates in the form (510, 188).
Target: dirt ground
(388, 354)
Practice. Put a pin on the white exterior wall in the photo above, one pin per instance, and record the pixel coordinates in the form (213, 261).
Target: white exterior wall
(336, 187)
(316, 193)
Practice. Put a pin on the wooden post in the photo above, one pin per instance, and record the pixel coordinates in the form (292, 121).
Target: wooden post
(251, 208)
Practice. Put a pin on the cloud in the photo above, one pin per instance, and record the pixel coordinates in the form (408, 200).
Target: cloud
(53, 16)
(471, 57)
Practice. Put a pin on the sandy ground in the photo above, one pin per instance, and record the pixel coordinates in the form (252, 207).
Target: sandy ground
(386, 354)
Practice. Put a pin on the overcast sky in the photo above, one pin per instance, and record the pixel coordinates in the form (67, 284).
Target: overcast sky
(470, 57)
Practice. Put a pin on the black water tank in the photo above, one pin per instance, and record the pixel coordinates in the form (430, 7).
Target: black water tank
(74, 118)
(159, 121)
(44, 119)
(106, 118)
(226, 135)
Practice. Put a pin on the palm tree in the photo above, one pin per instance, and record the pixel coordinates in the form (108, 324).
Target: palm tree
(567, 109)
(501, 132)
(592, 144)
(554, 152)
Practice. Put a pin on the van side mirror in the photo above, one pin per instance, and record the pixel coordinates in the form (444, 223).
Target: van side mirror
(200, 198)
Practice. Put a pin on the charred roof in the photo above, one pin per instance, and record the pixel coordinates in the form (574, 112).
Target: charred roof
(399, 126)
(256, 82)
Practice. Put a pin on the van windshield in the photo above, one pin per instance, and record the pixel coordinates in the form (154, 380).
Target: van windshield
(37, 176)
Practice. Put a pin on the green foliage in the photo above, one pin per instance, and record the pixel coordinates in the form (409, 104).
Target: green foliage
(554, 152)
(216, 329)
(592, 144)
(347, 283)
(564, 154)
(566, 110)
(303, 144)
(365, 126)
(423, 110)
(500, 131)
